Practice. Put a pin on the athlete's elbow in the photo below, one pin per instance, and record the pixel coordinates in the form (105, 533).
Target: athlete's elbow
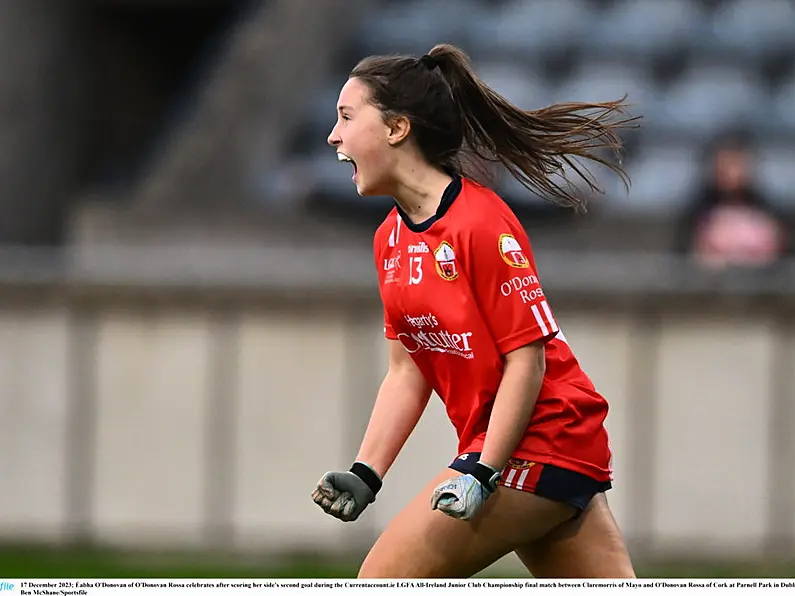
(409, 378)
(530, 358)
(408, 383)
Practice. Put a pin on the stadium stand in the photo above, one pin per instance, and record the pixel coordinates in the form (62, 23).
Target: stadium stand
(692, 68)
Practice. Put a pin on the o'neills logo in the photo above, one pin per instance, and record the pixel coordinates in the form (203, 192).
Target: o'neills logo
(511, 252)
(438, 341)
(420, 248)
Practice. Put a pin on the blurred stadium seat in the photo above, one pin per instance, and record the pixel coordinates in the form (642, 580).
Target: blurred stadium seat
(664, 176)
(776, 173)
(754, 28)
(645, 29)
(606, 80)
(413, 27)
(533, 31)
(782, 116)
(522, 86)
(709, 98)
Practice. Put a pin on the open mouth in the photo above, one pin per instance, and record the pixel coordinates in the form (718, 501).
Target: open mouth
(344, 158)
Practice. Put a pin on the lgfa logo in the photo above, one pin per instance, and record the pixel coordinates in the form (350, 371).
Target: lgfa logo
(511, 252)
(445, 261)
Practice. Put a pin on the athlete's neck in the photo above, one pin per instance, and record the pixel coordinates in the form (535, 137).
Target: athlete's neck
(419, 189)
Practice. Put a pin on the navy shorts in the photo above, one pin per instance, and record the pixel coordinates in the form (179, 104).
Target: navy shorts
(544, 480)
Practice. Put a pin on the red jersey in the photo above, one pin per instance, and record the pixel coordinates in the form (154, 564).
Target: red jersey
(460, 290)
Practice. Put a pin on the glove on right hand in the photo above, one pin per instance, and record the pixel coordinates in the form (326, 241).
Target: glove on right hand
(343, 495)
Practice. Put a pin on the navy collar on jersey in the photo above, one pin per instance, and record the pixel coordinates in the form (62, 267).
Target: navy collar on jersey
(449, 195)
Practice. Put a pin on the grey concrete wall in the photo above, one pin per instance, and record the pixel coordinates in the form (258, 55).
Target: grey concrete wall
(142, 424)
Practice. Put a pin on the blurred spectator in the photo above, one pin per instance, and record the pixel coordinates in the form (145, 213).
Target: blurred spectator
(730, 223)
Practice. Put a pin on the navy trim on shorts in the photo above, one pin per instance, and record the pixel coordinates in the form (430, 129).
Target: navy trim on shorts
(554, 483)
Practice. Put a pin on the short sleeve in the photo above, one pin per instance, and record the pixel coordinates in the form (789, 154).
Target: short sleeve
(378, 243)
(506, 286)
(389, 331)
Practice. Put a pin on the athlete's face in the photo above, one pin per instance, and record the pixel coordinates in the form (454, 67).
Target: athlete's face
(363, 137)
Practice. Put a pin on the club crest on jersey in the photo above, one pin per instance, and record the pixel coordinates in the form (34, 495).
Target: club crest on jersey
(445, 261)
(520, 464)
(512, 253)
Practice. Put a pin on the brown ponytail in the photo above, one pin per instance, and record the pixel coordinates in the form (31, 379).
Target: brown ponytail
(453, 112)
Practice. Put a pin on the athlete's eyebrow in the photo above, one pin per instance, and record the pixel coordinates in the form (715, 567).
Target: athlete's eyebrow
(343, 108)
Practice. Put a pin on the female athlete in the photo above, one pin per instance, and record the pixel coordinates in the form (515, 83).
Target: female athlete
(466, 316)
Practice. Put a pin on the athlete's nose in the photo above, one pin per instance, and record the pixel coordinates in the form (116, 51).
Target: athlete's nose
(334, 138)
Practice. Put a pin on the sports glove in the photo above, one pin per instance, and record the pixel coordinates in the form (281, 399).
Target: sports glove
(345, 495)
(463, 497)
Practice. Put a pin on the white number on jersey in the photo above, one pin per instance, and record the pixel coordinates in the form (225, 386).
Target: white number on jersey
(415, 270)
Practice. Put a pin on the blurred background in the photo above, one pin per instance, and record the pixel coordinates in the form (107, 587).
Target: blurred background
(190, 331)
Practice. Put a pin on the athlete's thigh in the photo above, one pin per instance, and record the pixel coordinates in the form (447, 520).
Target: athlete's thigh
(590, 546)
(422, 543)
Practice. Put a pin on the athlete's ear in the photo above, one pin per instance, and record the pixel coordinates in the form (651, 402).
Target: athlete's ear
(398, 130)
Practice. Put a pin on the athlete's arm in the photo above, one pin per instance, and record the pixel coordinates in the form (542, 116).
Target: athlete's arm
(401, 400)
(514, 403)
(510, 415)
(506, 286)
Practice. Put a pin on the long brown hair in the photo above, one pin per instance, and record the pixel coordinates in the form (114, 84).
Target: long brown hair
(453, 113)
